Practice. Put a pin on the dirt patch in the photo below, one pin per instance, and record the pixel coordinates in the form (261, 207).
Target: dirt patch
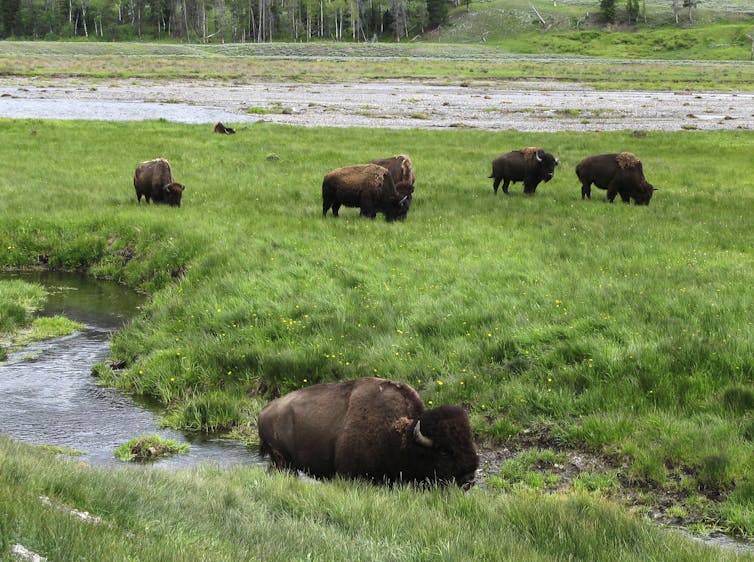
(529, 107)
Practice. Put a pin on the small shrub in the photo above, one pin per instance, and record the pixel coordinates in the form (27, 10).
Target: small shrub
(149, 448)
(715, 473)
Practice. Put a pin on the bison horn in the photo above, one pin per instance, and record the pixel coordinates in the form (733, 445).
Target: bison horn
(539, 158)
(422, 439)
(402, 202)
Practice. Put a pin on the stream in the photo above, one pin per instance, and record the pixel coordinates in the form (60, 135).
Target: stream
(50, 397)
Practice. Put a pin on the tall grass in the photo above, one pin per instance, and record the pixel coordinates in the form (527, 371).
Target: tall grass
(627, 330)
(245, 514)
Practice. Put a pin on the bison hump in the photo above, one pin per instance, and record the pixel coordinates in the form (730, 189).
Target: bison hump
(627, 160)
(529, 152)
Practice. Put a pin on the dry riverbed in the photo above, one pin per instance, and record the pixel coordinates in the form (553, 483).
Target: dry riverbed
(527, 107)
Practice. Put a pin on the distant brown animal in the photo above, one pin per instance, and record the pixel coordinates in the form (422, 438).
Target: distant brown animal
(530, 164)
(223, 130)
(619, 173)
(368, 428)
(369, 187)
(153, 180)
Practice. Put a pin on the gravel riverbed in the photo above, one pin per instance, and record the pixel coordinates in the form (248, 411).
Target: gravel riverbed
(527, 107)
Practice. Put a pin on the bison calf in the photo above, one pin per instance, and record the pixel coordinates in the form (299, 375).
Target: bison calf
(620, 174)
(154, 180)
(368, 428)
(531, 165)
(369, 187)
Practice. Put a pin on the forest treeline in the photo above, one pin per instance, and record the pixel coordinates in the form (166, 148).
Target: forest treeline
(221, 20)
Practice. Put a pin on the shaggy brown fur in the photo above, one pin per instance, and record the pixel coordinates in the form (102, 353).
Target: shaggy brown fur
(529, 152)
(365, 429)
(400, 167)
(627, 160)
(153, 180)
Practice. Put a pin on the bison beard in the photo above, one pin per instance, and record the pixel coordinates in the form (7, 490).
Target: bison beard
(369, 428)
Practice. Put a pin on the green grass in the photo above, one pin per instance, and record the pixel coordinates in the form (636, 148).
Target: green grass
(502, 63)
(624, 330)
(19, 301)
(244, 513)
(149, 448)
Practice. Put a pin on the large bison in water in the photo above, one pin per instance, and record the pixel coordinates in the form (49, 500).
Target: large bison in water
(368, 428)
(621, 174)
(369, 187)
(153, 180)
(531, 165)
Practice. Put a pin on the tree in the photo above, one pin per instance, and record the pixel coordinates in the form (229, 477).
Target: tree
(608, 10)
(437, 13)
(9, 9)
(632, 10)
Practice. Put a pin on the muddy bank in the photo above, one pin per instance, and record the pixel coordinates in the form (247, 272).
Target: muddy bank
(532, 107)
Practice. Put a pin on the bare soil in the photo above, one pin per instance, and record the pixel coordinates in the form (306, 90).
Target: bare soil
(526, 107)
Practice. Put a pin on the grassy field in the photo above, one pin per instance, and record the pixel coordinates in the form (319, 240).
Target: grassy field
(616, 330)
(69, 512)
(45, 63)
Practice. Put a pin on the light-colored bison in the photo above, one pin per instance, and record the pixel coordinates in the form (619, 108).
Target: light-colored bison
(620, 173)
(531, 165)
(153, 180)
(368, 428)
(369, 187)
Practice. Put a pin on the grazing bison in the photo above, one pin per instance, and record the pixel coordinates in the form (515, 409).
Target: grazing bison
(369, 187)
(402, 172)
(530, 165)
(154, 180)
(621, 174)
(368, 428)
(223, 130)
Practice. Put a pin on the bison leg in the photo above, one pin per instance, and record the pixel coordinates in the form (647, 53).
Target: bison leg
(335, 209)
(496, 184)
(612, 191)
(530, 187)
(367, 208)
(586, 190)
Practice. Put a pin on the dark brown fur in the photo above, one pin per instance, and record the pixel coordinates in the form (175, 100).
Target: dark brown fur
(153, 180)
(365, 429)
(531, 165)
(369, 187)
(223, 130)
(620, 174)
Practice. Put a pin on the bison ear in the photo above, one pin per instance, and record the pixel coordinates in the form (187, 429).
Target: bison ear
(420, 438)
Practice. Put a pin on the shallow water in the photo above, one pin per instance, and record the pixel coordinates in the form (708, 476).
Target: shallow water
(49, 395)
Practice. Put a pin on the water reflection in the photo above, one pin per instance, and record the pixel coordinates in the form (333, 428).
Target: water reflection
(50, 397)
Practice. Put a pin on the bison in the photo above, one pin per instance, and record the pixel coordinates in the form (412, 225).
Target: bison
(621, 174)
(531, 165)
(402, 172)
(223, 130)
(154, 180)
(369, 187)
(369, 428)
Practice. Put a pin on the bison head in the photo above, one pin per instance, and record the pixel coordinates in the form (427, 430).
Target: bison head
(546, 163)
(442, 449)
(172, 193)
(398, 208)
(644, 193)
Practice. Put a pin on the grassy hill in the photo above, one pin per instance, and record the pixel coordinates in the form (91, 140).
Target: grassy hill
(576, 27)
